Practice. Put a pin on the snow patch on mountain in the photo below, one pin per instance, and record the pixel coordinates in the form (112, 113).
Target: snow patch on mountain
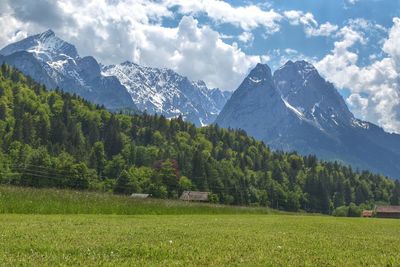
(295, 110)
(360, 124)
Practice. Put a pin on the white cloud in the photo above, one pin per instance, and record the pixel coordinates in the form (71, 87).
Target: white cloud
(284, 55)
(12, 30)
(352, 2)
(199, 53)
(246, 17)
(325, 29)
(291, 51)
(246, 37)
(392, 44)
(115, 31)
(311, 26)
(375, 88)
(296, 17)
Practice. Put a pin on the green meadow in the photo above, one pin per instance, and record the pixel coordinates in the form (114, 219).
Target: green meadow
(94, 229)
(25, 200)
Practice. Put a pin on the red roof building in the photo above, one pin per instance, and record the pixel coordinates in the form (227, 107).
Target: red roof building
(367, 213)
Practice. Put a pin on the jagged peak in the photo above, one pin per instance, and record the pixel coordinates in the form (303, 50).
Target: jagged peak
(128, 63)
(260, 67)
(288, 63)
(260, 72)
(301, 66)
(305, 65)
(45, 46)
(47, 34)
(200, 83)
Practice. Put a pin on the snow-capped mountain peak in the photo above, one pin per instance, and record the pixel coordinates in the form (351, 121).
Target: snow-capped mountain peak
(163, 91)
(56, 63)
(45, 46)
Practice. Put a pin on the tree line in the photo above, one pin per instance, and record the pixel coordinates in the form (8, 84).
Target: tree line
(55, 139)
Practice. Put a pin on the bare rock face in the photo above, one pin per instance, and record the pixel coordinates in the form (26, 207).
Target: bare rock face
(296, 109)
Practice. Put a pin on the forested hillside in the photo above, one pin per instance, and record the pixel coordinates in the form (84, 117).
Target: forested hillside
(54, 139)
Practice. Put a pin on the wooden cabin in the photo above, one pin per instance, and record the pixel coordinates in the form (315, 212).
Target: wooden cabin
(194, 196)
(387, 212)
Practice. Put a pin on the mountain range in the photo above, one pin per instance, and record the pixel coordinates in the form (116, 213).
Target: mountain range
(293, 109)
(164, 91)
(296, 109)
(56, 63)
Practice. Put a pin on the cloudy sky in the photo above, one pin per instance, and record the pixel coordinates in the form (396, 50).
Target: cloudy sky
(353, 43)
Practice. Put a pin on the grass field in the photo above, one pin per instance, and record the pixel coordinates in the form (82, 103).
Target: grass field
(195, 239)
(25, 200)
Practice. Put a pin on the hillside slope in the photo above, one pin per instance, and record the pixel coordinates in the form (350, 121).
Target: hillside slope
(53, 139)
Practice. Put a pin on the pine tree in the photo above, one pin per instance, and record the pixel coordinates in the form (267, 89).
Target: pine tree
(98, 157)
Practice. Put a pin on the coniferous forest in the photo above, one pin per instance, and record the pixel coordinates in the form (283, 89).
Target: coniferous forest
(54, 139)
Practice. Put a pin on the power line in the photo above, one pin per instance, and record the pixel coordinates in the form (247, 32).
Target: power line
(57, 174)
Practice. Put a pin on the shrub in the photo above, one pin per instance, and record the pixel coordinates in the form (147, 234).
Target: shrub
(354, 211)
(341, 211)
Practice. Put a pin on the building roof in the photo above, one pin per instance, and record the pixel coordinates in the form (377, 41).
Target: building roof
(137, 195)
(388, 209)
(194, 195)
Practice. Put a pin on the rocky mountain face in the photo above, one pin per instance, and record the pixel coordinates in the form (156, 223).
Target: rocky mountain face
(296, 109)
(165, 92)
(56, 63)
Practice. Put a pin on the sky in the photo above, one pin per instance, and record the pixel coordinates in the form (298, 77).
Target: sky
(355, 44)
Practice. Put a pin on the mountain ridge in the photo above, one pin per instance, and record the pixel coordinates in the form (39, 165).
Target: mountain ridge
(56, 63)
(305, 113)
(163, 91)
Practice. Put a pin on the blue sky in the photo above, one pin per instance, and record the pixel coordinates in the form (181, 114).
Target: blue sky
(355, 44)
(336, 12)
